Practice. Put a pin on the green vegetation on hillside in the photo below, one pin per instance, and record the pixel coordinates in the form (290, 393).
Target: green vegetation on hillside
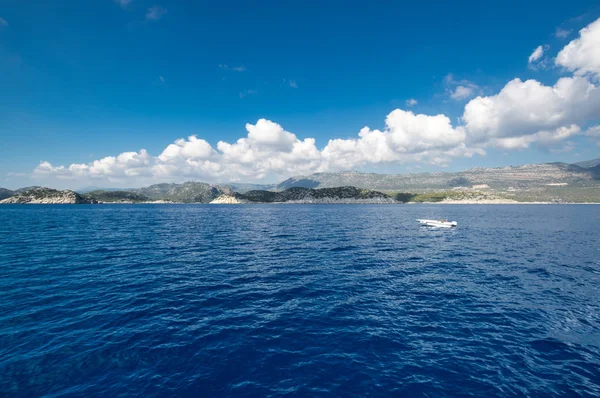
(319, 195)
(440, 196)
(116, 196)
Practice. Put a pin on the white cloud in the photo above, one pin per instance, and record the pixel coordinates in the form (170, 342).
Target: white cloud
(460, 90)
(582, 55)
(544, 139)
(408, 137)
(155, 13)
(411, 102)
(268, 149)
(123, 3)
(161, 80)
(3, 22)
(124, 166)
(536, 54)
(562, 33)
(593, 131)
(537, 60)
(526, 108)
(293, 84)
(191, 149)
(240, 68)
(524, 112)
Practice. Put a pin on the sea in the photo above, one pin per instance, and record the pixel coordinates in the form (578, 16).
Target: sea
(299, 301)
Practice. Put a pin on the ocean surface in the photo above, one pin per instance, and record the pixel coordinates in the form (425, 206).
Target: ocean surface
(299, 300)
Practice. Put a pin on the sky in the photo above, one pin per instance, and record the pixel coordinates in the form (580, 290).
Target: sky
(126, 93)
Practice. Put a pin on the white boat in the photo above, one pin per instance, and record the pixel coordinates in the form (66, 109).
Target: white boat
(438, 223)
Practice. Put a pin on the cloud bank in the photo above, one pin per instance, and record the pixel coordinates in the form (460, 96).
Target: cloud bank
(521, 114)
(582, 55)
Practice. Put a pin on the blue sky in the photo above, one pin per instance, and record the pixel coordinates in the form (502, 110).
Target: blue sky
(82, 81)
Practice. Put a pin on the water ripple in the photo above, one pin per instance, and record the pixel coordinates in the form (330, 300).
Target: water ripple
(299, 300)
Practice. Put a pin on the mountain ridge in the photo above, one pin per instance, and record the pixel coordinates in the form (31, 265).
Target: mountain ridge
(556, 181)
(308, 195)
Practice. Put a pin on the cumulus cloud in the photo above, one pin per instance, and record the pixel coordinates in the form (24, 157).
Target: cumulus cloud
(460, 90)
(544, 138)
(127, 164)
(582, 55)
(155, 13)
(537, 60)
(525, 108)
(408, 137)
(269, 149)
(411, 102)
(536, 54)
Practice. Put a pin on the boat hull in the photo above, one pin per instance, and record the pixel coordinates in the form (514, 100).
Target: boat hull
(437, 223)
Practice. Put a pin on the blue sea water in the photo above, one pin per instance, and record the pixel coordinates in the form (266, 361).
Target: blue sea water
(299, 300)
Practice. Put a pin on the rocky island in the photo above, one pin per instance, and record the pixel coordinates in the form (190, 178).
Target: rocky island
(40, 195)
(341, 195)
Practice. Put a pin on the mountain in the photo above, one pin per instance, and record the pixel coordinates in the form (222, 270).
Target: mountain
(6, 193)
(25, 189)
(515, 177)
(101, 196)
(188, 192)
(93, 188)
(588, 164)
(595, 171)
(46, 196)
(241, 187)
(308, 195)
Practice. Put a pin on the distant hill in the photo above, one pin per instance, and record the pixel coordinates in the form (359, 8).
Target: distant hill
(240, 187)
(308, 195)
(515, 177)
(188, 192)
(6, 193)
(40, 195)
(588, 164)
(93, 188)
(25, 189)
(115, 196)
